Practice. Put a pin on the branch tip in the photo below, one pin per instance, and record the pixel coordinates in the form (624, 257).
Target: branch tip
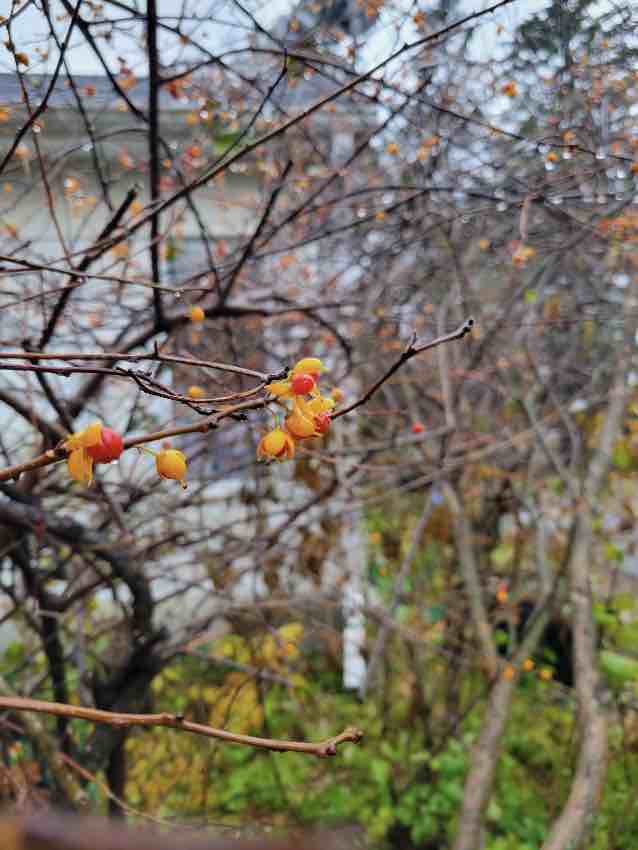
(329, 748)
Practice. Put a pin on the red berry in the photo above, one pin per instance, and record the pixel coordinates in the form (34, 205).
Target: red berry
(322, 422)
(302, 383)
(418, 428)
(109, 448)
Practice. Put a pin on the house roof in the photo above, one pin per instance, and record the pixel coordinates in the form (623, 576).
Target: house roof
(95, 90)
(98, 94)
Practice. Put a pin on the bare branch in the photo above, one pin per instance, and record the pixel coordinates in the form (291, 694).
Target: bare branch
(176, 721)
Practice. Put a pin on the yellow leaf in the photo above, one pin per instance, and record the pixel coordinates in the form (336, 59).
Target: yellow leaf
(292, 632)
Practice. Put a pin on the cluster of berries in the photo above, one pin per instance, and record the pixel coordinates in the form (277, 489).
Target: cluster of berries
(308, 416)
(309, 413)
(99, 444)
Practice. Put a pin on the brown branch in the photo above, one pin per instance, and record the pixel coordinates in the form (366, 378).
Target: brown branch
(36, 730)
(250, 245)
(121, 92)
(177, 721)
(300, 117)
(59, 453)
(575, 821)
(154, 153)
(89, 257)
(413, 348)
(480, 778)
(51, 431)
(33, 116)
(469, 571)
(157, 356)
(397, 590)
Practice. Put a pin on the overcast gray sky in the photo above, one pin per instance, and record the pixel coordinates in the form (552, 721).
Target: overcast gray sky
(30, 28)
(225, 28)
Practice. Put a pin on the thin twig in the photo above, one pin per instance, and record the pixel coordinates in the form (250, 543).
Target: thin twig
(411, 351)
(322, 749)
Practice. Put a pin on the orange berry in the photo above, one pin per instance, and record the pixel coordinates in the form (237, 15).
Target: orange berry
(71, 184)
(418, 428)
(528, 665)
(522, 255)
(195, 392)
(276, 445)
(196, 314)
(302, 383)
(171, 463)
(322, 423)
(545, 673)
(508, 672)
(109, 448)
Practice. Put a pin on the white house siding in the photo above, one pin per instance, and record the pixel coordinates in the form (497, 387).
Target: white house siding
(229, 210)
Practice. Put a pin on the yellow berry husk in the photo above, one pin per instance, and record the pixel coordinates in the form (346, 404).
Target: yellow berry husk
(300, 426)
(321, 404)
(195, 392)
(90, 436)
(274, 442)
(337, 394)
(171, 463)
(311, 365)
(93, 434)
(79, 462)
(80, 466)
(277, 445)
(280, 389)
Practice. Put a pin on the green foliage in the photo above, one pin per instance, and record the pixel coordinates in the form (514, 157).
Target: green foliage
(405, 781)
(406, 777)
